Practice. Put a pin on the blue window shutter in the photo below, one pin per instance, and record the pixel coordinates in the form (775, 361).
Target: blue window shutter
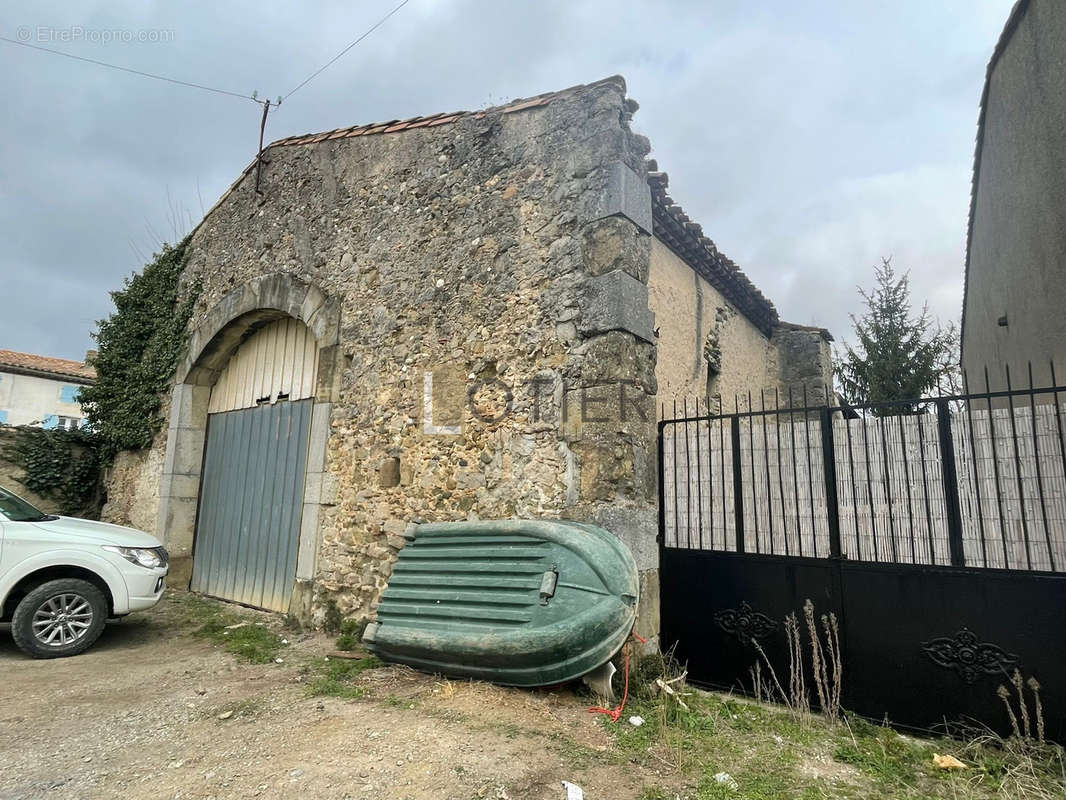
(50, 422)
(3, 416)
(69, 394)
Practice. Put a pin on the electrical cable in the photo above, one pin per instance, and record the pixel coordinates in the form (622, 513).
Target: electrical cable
(132, 71)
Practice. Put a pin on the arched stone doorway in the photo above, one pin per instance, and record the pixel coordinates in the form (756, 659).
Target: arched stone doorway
(218, 382)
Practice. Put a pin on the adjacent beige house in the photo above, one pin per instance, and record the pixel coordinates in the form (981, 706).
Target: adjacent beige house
(459, 316)
(42, 390)
(1016, 248)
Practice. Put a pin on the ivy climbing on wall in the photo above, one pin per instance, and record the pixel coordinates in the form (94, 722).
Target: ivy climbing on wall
(60, 465)
(138, 349)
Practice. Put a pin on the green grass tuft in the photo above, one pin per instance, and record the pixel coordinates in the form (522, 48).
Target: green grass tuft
(252, 642)
(337, 677)
(883, 753)
(351, 633)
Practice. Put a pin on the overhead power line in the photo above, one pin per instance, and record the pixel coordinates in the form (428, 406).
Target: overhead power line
(214, 89)
(134, 71)
(337, 57)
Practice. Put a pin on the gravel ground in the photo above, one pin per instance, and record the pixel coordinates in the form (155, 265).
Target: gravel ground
(152, 711)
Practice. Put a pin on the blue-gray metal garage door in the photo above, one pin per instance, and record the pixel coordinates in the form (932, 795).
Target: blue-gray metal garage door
(251, 498)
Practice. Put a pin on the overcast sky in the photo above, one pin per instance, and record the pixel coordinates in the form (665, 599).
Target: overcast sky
(808, 138)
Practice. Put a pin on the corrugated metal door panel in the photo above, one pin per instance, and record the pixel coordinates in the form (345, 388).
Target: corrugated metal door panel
(247, 535)
(278, 359)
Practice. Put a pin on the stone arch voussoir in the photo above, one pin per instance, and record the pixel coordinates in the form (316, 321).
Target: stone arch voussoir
(250, 305)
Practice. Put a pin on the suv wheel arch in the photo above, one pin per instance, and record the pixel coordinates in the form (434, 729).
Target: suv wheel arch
(34, 579)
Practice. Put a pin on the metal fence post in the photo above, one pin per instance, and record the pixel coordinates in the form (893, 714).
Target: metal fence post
(738, 483)
(951, 482)
(829, 470)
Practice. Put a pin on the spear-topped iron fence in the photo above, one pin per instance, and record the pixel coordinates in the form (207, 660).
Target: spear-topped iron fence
(975, 480)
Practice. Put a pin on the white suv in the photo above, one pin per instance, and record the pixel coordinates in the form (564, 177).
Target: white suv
(61, 578)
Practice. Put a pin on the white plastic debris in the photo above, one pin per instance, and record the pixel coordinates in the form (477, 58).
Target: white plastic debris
(279, 660)
(573, 791)
(725, 779)
(636, 721)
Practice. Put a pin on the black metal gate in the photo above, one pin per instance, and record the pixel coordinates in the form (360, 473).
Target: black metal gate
(934, 531)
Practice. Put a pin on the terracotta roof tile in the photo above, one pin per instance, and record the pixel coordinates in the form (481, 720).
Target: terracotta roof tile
(532, 103)
(46, 366)
(446, 120)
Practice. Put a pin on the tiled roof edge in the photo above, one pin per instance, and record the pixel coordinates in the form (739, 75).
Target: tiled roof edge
(46, 366)
(444, 118)
(672, 226)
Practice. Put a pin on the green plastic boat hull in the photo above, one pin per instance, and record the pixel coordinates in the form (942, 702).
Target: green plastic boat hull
(514, 602)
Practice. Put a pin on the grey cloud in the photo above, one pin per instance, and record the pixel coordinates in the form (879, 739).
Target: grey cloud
(808, 139)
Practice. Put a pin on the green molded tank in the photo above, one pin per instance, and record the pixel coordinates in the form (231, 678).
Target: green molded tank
(515, 602)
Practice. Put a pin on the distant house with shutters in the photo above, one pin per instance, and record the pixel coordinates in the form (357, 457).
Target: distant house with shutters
(42, 390)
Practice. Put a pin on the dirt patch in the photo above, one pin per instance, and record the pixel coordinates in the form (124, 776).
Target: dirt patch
(155, 711)
(168, 705)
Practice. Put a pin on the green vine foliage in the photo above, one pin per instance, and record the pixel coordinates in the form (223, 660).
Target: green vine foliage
(139, 346)
(62, 466)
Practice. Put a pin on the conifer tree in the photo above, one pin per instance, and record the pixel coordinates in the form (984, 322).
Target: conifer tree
(898, 356)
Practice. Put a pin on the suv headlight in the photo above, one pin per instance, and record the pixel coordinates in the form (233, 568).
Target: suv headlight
(148, 557)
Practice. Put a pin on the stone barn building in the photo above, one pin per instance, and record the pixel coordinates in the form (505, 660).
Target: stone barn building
(467, 315)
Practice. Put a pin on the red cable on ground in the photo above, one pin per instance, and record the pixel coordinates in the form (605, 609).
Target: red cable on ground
(616, 712)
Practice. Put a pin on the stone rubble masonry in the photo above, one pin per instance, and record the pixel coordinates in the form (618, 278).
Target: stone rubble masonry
(507, 251)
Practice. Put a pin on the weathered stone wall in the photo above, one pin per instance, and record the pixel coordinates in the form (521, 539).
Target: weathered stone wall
(487, 254)
(701, 331)
(805, 363)
(133, 488)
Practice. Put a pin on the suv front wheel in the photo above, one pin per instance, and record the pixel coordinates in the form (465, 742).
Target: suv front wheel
(59, 618)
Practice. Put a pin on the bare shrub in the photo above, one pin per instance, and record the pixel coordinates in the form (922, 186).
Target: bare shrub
(1023, 732)
(826, 666)
(1034, 685)
(777, 683)
(836, 665)
(797, 687)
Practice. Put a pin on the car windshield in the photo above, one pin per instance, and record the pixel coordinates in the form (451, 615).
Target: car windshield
(15, 509)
